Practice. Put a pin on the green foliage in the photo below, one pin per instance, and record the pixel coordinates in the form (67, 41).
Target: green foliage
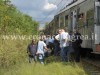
(13, 21)
(90, 17)
(50, 69)
(12, 52)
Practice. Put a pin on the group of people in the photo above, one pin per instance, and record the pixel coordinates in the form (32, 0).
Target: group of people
(64, 42)
(37, 51)
(69, 43)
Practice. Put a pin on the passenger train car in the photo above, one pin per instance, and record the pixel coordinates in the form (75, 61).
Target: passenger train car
(83, 15)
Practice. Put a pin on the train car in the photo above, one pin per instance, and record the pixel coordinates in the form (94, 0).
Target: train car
(85, 16)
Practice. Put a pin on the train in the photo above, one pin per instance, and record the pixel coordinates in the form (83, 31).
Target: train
(83, 15)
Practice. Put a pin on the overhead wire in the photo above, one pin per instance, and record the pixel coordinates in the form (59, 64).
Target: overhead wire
(52, 10)
(60, 8)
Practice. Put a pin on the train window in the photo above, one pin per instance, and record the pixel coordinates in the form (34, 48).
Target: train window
(57, 18)
(90, 21)
(74, 0)
(71, 14)
(90, 17)
(98, 15)
(80, 20)
(80, 16)
(66, 20)
(90, 13)
(99, 0)
(66, 17)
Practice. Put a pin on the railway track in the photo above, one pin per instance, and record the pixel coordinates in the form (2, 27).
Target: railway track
(91, 67)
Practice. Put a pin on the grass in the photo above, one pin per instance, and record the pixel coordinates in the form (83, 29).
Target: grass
(54, 68)
(13, 57)
(12, 52)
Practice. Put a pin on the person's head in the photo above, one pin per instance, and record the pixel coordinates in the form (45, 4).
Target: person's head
(47, 36)
(53, 36)
(62, 30)
(33, 41)
(75, 30)
(41, 39)
(44, 37)
(59, 31)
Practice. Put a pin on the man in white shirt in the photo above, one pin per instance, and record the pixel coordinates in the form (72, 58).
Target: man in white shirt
(41, 49)
(63, 37)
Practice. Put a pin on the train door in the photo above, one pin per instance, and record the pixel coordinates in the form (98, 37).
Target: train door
(97, 26)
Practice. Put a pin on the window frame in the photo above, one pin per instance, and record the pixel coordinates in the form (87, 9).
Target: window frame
(98, 15)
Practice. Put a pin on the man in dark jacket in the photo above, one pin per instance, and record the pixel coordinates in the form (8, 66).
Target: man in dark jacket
(76, 44)
(31, 50)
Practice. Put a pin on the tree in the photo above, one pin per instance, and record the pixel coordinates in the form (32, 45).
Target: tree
(12, 21)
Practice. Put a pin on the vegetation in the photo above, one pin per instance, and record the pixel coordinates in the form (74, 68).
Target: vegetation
(13, 22)
(46, 28)
(49, 69)
(13, 56)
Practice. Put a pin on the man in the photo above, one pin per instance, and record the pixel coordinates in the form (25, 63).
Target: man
(64, 44)
(41, 49)
(51, 45)
(31, 50)
(76, 44)
(46, 41)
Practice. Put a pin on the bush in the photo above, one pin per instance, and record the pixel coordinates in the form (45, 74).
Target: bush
(12, 52)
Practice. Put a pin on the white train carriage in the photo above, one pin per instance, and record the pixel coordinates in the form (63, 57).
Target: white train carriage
(84, 15)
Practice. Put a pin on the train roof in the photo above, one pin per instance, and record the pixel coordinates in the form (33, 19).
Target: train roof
(70, 6)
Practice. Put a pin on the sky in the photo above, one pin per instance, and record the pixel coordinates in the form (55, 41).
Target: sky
(40, 10)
